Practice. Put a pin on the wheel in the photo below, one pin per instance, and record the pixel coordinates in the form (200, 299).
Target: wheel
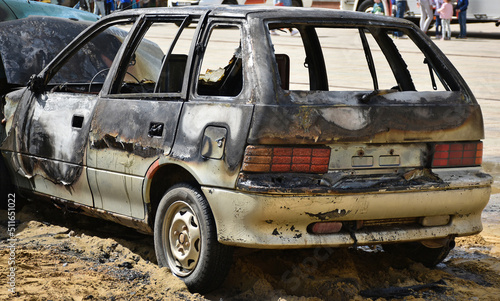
(185, 240)
(427, 253)
(366, 6)
(230, 2)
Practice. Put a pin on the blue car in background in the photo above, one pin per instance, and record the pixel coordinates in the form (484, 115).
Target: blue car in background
(19, 9)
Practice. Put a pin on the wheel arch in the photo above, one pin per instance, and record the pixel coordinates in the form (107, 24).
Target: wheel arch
(159, 179)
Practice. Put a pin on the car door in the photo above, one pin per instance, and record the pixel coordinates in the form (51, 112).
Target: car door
(214, 124)
(52, 120)
(135, 122)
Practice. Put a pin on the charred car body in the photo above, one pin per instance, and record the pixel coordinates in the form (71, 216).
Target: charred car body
(213, 147)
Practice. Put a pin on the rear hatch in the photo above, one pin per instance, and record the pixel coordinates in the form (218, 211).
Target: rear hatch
(355, 107)
(395, 140)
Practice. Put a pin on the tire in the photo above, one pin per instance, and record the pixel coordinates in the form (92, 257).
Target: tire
(230, 2)
(419, 252)
(185, 240)
(366, 6)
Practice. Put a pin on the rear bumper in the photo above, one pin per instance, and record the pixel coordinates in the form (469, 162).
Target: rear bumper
(281, 221)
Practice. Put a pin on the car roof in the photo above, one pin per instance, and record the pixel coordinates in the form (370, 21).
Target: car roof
(270, 12)
(19, 9)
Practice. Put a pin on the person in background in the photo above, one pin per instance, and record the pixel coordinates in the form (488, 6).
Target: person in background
(426, 14)
(437, 5)
(400, 13)
(84, 5)
(108, 6)
(292, 31)
(446, 13)
(99, 7)
(125, 4)
(378, 7)
(462, 17)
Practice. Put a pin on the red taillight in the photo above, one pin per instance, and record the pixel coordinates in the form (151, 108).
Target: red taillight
(286, 159)
(458, 154)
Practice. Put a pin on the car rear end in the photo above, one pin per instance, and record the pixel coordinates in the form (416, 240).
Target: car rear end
(339, 193)
(327, 165)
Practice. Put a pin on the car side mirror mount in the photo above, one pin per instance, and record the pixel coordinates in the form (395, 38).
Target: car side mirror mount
(36, 84)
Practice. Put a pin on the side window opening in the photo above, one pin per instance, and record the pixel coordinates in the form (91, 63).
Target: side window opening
(376, 61)
(85, 71)
(221, 70)
(158, 63)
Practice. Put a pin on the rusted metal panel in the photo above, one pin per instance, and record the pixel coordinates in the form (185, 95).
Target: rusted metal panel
(126, 138)
(50, 143)
(195, 118)
(257, 220)
(383, 121)
(122, 219)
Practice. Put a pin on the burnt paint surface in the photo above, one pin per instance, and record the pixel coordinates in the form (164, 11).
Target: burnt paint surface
(340, 182)
(197, 116)
(378, 122)
(125, 124)
(43, 133)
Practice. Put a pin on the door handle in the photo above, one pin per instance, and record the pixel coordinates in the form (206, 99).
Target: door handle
(155, 129)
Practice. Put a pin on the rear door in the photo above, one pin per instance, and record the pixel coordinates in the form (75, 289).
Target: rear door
(135, 122)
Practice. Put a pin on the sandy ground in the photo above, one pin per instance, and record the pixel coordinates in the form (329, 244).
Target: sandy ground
(72, 257)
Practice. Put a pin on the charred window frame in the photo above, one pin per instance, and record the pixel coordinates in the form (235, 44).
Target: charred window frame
(231, 85)
(436, 61)
(439, 68)
(69, 52)
(163, 84)
(314, 57)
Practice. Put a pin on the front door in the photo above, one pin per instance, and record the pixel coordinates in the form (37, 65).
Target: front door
(52, 127)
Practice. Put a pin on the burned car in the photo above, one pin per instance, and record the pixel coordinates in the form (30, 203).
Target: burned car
(210, 133)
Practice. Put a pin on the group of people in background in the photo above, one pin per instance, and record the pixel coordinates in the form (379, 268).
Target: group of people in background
(105, 7)
(443, 11)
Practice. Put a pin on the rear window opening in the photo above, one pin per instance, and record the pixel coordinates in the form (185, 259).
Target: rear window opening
(379, 65)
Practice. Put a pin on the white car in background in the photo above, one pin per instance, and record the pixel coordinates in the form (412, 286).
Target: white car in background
(297, 3)
(478, 10)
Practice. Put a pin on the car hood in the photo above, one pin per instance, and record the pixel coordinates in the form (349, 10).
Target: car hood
(28, 45)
